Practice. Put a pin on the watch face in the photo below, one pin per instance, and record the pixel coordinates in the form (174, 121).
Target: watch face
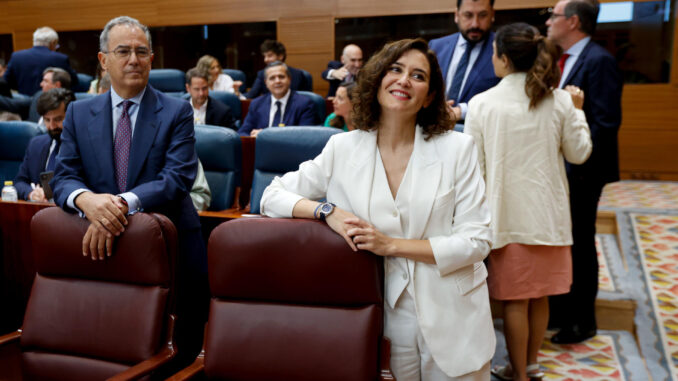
(326, 208)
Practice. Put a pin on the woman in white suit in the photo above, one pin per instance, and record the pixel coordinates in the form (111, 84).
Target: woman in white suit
(523, 128)
(405, 187)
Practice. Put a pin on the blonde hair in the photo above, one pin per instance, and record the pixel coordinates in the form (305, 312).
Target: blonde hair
(204, 64)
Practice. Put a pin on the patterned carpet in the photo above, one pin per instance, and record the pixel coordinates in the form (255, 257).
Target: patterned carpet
(646, 270)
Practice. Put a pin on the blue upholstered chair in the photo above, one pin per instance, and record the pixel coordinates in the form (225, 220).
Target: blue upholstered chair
(83, 95)
(84, 81)
(319, 103)
(237, 75)
(281, 150)
(219, 151)
(170, 81)
(14, 138)
(232, 101)
(309, 80)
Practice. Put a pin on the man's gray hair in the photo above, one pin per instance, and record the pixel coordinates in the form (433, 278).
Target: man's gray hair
(44, 36)
(122, 20)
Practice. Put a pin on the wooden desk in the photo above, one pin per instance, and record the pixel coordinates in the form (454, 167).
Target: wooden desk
(17, 269)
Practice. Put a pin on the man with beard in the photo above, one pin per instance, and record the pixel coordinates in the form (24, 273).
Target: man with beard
(42, 150)
(466, 62)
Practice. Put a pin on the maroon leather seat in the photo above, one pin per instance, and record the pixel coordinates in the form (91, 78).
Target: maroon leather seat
(290, 301)
(91, 320)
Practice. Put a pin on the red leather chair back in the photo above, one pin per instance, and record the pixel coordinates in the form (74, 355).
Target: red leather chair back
(89, 319)
(291, 301)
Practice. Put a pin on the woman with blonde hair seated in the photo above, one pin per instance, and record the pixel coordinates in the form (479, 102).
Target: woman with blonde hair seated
(217, 80)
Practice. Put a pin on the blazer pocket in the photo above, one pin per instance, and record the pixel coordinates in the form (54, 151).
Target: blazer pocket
(473, 279)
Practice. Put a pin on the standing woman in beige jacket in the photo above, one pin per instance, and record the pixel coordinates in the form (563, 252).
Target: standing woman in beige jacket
(523, 128)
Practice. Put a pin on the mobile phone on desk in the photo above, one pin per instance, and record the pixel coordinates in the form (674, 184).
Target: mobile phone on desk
(45, 178)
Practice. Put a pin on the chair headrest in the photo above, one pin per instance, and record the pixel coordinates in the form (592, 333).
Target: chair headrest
(143, 254)
(283, 149)
(290, 261)
(218, 148)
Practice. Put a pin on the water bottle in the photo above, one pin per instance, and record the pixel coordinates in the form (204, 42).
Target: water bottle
(9, 192)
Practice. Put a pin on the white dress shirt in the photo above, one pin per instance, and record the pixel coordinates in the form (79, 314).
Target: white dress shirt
(283, 105)
(200, 113)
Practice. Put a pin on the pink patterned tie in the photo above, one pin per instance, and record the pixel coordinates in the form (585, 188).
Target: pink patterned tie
(123, 140)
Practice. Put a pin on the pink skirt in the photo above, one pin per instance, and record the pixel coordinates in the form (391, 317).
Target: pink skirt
(518, 271)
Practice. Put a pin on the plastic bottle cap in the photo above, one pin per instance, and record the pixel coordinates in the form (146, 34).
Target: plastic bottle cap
(8, 182)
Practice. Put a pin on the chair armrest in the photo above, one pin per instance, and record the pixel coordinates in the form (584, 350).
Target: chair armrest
(147, 366)
(192, 370)
(10, 338)
(385, 373)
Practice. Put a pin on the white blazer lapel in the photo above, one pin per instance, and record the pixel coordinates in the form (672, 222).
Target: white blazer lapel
(361, 164)
(426, 174)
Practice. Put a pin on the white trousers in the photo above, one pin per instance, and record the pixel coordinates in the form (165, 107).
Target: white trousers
(411, 359)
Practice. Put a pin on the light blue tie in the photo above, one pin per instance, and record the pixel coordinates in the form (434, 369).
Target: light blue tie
(458, 79)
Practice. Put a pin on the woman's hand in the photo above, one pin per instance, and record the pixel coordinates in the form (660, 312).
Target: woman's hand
(337, 222)
(367, 237)
(577, 96)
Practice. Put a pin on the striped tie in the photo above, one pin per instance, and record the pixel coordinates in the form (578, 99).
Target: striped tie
(123, 140)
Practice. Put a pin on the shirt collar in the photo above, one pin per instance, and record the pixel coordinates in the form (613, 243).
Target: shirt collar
(116, 99)
(203, 107)
(462, 41)
(576, 49)
(282, 100)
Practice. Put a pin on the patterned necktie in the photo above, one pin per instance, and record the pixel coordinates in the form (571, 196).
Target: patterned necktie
(123, 140)
(51, 162)
(561, 62)
(276, 116)
(459, 74)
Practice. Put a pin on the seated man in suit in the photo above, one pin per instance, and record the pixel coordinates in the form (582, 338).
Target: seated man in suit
(42, 150)
(283, 107)
(465, 57)
(275, 51)
(344, 71)
(52, 77)
(206, 110)
(25, 67)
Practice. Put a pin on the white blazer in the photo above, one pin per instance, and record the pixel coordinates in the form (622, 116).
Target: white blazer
(448, 208)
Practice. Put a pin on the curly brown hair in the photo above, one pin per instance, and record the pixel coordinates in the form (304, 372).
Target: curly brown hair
(434, 119)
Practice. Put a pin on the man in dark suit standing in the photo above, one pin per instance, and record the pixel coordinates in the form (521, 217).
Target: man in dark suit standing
(133, 149)
(283, 107)
(42, 150)
(466, 57)
(206, 110)
(25, 68)
(344, 71)
(275, 51)
(590, 67)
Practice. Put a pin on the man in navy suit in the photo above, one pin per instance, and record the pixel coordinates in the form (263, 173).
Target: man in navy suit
(52, 77)
(466, 57)
(206, 110)
(25, 67)
(283, 107)
(133, 149)
(344, 71)
(42, 150)
(590, 67)
(275, 51)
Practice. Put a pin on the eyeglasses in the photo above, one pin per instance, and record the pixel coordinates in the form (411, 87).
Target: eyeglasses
(124, 52)
(553, 15)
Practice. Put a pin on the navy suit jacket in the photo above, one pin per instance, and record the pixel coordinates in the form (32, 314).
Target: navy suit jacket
(34, 163)
(25, 67)
(299, 111)
(334, 83)
(219, 114)
(298, 82)
(162, 161)
(482, 75)
(597, 74)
